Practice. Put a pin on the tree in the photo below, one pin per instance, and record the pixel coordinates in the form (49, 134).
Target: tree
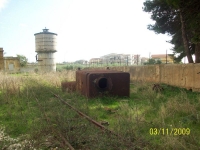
(180, 19)
(152, 62)
(158, 62)
(23, 60)
(80, 61)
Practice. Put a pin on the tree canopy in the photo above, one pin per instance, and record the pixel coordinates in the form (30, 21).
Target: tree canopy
(23, 60)
(152, 62)
(180, 19)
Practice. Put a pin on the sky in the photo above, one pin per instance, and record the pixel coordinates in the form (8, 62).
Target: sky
(86, 28)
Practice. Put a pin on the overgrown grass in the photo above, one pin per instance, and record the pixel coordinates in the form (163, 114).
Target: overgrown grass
(34, 118)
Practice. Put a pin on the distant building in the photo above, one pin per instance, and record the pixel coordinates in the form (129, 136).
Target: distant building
(144, 60)
(117, 58)
(95, 61)
(110, 58)
(9, 64)
(163, 58)
(136, 59)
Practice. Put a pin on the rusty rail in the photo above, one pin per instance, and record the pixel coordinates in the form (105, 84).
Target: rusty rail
(97, 124)
(65, 142)
(84, 115)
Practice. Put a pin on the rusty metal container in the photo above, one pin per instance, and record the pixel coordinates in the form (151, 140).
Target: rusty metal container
(92, 83)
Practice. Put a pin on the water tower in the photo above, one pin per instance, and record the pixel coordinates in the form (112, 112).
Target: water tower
(45, 47)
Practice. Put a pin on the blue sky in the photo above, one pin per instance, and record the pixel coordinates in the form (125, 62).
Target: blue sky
(86, 28)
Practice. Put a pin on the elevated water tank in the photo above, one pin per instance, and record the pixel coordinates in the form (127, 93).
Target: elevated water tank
(45, 47)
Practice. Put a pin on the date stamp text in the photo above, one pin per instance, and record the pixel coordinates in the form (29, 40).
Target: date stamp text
(169, 131)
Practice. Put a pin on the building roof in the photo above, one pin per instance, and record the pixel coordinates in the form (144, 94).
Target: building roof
(45, 31)
(159, 56)
(10, 57)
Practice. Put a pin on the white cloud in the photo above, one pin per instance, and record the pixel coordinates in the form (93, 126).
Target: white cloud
(3, 4)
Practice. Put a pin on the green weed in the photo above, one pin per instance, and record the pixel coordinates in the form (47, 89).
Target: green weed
(28, 110)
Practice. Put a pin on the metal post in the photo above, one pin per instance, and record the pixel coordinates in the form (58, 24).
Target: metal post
(166, 56)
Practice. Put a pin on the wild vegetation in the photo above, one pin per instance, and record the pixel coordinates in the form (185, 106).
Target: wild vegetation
(31, 117)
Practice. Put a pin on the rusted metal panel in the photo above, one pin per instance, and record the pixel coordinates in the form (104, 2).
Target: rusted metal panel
(92, 83)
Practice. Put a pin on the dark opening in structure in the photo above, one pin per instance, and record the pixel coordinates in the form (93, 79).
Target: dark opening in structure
(102, 83)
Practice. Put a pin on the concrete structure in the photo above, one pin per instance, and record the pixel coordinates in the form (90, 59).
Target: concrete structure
(45, 47)
(9, 64)
(180, 75)
(30, 67)
(163, 58)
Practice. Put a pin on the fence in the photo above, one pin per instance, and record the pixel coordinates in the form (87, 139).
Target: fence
(181, 75)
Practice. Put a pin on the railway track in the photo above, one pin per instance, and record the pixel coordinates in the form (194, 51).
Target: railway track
(98, 131)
